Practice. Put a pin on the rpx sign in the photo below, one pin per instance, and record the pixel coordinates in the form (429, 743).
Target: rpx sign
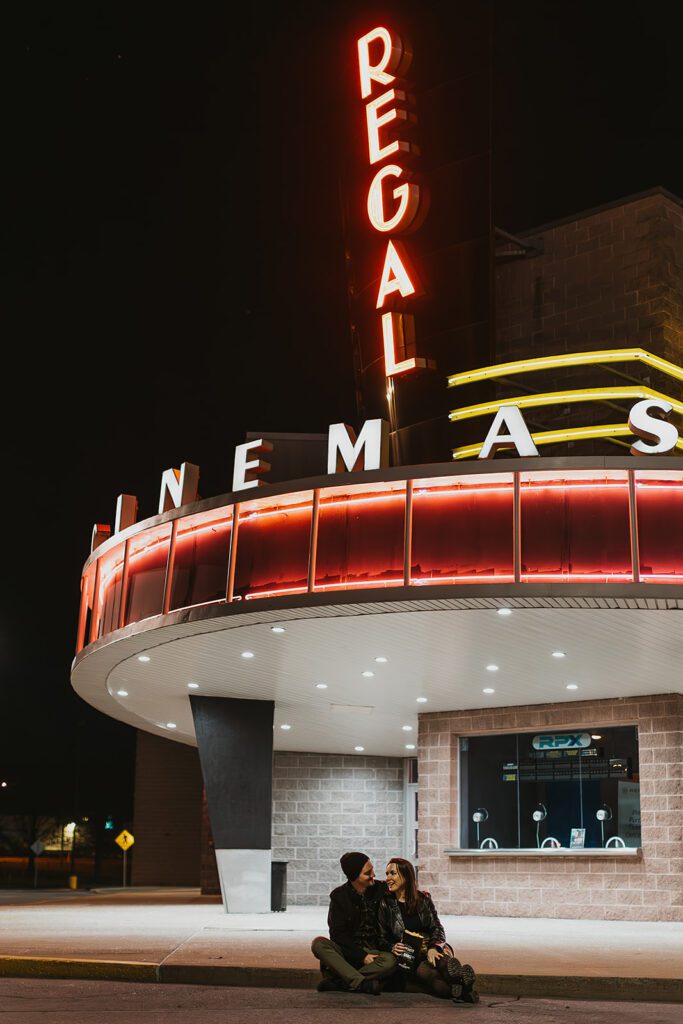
(561, 741)
(394, 199)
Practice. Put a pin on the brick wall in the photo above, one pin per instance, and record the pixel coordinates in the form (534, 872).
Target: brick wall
(326, 804)
(167, 816)
(612, 278)
(650, 888)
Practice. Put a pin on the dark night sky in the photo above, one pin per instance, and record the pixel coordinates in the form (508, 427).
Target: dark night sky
(173, 267)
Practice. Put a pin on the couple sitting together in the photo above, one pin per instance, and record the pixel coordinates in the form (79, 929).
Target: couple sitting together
(384, 934)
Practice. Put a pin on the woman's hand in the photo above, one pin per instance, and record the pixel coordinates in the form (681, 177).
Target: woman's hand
(398, 948)
(433, 955)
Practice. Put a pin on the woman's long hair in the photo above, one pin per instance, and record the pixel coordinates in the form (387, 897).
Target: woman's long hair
(407, 872)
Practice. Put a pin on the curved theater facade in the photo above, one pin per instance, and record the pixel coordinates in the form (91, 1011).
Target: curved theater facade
(508, 624)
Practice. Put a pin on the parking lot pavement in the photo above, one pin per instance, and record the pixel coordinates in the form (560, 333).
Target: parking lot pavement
(92, 1002)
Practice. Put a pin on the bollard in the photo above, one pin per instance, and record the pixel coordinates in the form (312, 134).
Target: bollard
(73, 881)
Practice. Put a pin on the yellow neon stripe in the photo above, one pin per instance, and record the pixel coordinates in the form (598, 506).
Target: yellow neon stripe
(608, 430)
(558, 397)
(610, 355)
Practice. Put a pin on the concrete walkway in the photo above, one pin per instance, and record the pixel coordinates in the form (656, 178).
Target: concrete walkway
(180, 936)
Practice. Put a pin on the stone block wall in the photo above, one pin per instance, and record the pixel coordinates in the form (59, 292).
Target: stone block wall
(609, 278)
(584, 886)
(326, 804)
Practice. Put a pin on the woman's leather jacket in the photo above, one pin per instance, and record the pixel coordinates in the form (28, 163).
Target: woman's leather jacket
(390, 926)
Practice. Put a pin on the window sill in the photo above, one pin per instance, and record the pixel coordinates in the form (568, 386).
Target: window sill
(563, 851)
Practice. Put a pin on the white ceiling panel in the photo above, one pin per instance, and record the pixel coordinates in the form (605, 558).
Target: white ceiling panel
(433, 650)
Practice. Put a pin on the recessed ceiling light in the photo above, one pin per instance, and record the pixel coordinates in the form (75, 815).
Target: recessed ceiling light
(3, 785)
(278, 629)
(359, 749)
(144, 657)
(407, 728)
(559, 654)
(170, 725)
(421, 700)
(193, 686)
(122, 693)
(504, 611)
(381, 660)
(410, 746)
(247, 654)
(596, 736)
(285, 726)
(491, 668)
(321, 686)
(367, 674)
(572, 686)
(488, 689)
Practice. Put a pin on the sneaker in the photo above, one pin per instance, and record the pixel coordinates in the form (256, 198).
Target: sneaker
(370, 986)
(330, 985)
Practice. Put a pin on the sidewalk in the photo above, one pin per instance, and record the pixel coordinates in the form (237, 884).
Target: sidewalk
(180, 936)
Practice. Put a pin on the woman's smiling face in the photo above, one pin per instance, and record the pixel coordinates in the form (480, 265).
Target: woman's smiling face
(395, 881)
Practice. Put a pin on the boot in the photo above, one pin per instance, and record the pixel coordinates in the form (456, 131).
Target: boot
(370, 986)
(467, 978)
(331, 985)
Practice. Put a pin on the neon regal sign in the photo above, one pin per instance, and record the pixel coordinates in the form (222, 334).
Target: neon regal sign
(394, 199)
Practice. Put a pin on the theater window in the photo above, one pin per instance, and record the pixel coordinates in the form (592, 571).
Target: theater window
(573, 789)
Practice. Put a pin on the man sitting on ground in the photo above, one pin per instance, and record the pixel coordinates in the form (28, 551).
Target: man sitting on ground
(349, 959)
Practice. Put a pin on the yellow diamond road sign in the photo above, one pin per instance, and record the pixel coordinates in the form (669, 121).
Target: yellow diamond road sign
(125, 840)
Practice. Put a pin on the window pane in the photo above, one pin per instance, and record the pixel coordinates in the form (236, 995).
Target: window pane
(659, 501)
(147, 559)
(575, 526)
(85, 612)
(361, 536)
(273, 543)
(111, 582)
(202, 553)
(490, 790)
(463, 530)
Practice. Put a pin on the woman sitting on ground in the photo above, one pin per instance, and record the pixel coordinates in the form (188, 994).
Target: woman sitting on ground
(405, 909)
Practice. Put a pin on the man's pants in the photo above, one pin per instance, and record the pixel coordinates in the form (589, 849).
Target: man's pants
(332, 962)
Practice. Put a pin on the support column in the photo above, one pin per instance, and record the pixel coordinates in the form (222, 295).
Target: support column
(235, 741)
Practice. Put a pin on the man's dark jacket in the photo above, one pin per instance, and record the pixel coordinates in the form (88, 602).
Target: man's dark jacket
(352, 920)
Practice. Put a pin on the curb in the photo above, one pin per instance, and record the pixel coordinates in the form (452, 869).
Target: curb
(85, 970)
(538, 986)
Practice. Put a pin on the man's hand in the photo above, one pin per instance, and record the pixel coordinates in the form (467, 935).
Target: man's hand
(433, 955)
(369, 958)
(398, 948)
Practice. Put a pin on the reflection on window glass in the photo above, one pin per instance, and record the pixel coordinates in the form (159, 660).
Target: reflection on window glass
(575, 526)
(147, 558)
(659, 503)
(202, 553)
(111, 584)
(463, 530)
(361, 536)
(273, 544)
(569, 788)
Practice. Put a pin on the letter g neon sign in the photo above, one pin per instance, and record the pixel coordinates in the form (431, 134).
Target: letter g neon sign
(407, 196)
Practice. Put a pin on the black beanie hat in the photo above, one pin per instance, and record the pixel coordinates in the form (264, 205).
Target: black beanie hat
(352, 864)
